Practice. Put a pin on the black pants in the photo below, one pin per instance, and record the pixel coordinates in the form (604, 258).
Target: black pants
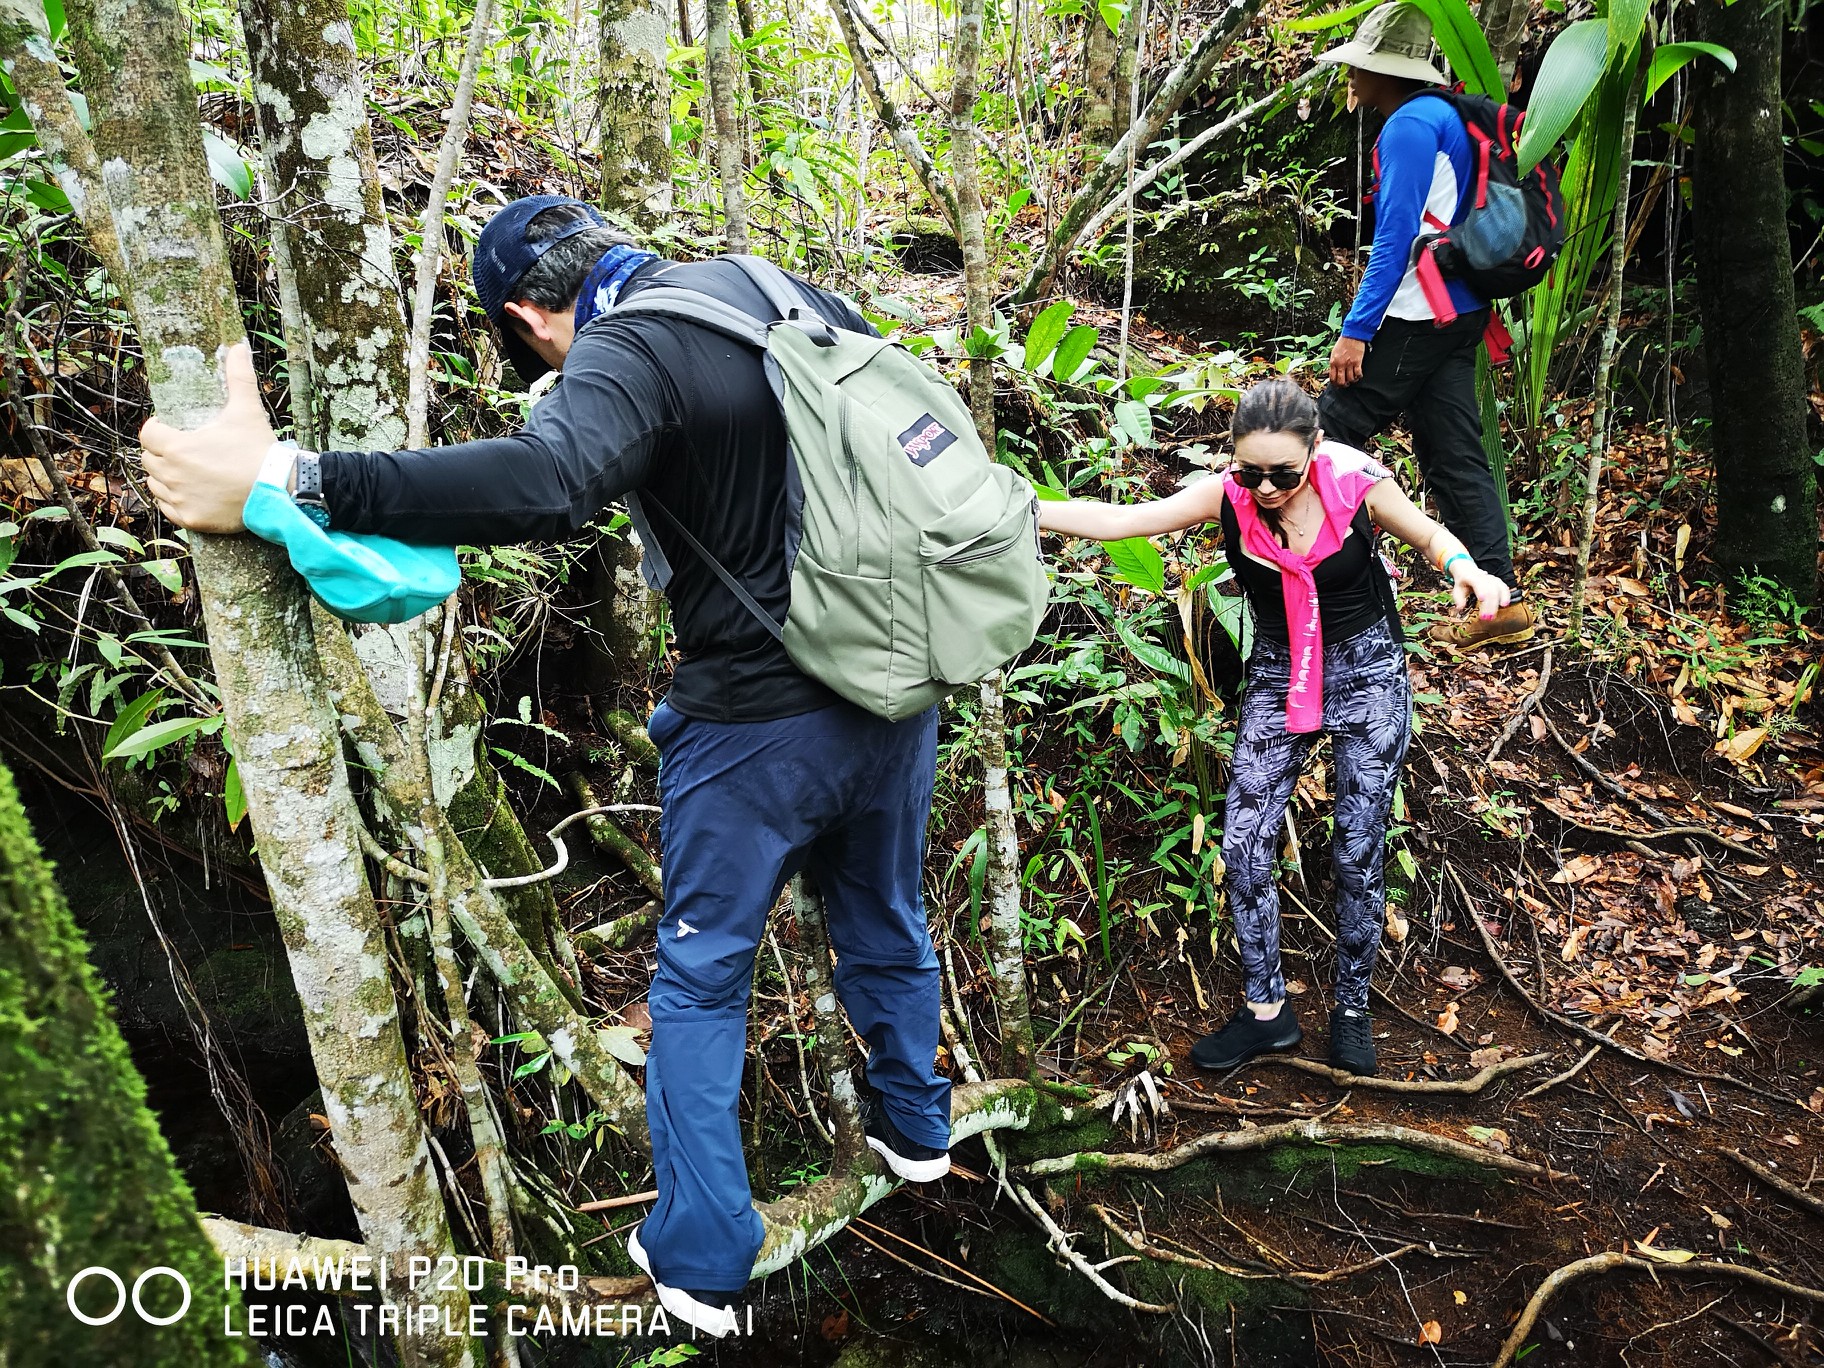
(1429, 374)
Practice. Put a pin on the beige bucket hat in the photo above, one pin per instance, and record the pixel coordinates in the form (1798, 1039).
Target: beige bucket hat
(1395, 40)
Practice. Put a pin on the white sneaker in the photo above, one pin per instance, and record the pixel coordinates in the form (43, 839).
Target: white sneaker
(687, 1306)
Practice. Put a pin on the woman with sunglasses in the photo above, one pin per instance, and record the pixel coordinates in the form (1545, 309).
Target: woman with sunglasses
(1295, 513)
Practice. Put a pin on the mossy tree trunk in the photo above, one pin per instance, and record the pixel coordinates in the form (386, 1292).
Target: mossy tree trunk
(635, 98)
(86, 1178)
(1766, 486)
(731, 152)
(157, 191)
(311, 104)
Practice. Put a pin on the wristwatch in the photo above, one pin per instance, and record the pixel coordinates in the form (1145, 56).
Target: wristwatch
(307, 489)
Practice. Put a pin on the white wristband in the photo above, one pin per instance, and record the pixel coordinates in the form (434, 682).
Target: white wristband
(275, 468)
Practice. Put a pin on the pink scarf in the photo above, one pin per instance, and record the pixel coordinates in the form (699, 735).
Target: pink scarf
(1342, 477)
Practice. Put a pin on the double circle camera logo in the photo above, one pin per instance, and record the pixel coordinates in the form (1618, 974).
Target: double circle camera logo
(121, 1296)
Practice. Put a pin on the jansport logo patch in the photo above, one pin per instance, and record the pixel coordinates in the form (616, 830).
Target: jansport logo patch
(925, 440)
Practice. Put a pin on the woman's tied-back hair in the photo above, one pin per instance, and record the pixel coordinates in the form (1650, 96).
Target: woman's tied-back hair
(1274, 406)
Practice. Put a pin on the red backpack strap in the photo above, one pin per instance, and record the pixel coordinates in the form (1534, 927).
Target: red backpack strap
(1497, 339)
(1437, 293)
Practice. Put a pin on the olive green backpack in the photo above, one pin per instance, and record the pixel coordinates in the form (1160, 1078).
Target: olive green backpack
(914, 558)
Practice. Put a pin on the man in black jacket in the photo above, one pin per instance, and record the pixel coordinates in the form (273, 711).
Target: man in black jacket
(764, 771)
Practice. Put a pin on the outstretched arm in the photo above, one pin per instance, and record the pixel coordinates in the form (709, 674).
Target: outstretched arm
(1192, 507)
(1392, 510)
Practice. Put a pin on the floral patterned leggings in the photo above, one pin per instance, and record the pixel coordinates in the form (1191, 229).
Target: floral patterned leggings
(1368, 714)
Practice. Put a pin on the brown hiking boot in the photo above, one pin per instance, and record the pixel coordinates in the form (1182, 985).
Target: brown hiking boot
(1511, 624)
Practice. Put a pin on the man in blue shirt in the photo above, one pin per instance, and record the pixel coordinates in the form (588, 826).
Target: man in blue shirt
(1394, 356)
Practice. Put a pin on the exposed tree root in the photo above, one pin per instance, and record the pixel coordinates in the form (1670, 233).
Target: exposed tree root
(1461, 1087)
(1292, 1133)
(1527, 704)
(1602, 1263)
(1564, 1077)
(1792, 1191)
(1135, 1241)
(608, 836)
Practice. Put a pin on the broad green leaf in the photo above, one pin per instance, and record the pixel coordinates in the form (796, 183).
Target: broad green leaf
(227, 165)
(126, 541)
(623, 1043)
(1047, 331)
(82, 559)
(146, 739)
(1073, 351)
(131, 718)
(1154, 657)
(1573, 65)
(234, 798)
(25, 620)
(1317, 23)
(1460, 38)
(1626, 19)
(1138, 562)
(165, 571)
(1669, 60)
(1134, 420)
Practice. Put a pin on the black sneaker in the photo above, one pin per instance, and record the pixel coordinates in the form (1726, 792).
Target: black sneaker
(914, 1162)
(1352, 1042)
(1245, 1036)
(711, 1312)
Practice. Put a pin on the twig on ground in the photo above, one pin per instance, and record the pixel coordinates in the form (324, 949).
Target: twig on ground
(615, 1203)
(1608, 782)
(1564, 1077)
(1527, 704)
(1613, 1259)
(1789, 1189)
(933, 1254)
(1475, 1083)
(1135, 1241)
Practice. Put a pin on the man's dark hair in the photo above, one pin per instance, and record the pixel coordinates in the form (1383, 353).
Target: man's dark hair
(556, 278)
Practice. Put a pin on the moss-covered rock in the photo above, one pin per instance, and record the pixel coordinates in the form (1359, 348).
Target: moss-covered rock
(86, 1178)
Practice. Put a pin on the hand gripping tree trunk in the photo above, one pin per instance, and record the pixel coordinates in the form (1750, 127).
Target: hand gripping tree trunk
(1766, 491)
(635, 98)
(158, 194)
(1002, 894)
(731, 155)
(86, 1179)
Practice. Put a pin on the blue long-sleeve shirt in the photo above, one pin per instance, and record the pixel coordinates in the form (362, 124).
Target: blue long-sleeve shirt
(1425, 173)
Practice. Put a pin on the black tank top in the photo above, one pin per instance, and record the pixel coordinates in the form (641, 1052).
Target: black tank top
(1352, 589)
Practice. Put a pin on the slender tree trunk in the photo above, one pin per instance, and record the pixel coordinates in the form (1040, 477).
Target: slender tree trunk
(310, 103)
(311, 106)
(898, 127)
(430, 238)
(176, 282)
(1002, 891)
(1180, 82)
(1098, 80)
(1605, 363)
(1121, 92)
(731, 155)
(1766, 489)
(86, 1178)
(685, 33)
(635, 96)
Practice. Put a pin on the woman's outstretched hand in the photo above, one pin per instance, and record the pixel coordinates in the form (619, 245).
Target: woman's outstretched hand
(1489, 591)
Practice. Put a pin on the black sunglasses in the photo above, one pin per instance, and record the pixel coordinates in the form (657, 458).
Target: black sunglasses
(1249, 477)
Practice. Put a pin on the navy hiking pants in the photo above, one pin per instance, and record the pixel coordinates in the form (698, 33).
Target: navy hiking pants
(843, 796)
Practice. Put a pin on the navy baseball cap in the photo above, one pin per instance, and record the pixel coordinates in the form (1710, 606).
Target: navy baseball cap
(502, 258)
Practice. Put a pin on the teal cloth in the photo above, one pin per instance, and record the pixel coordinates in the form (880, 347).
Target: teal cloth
(359, 577)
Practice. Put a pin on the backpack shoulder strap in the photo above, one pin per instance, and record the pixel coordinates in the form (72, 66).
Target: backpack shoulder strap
(772, 281)
(674, 301)
(640, 502)
(1383, 582)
